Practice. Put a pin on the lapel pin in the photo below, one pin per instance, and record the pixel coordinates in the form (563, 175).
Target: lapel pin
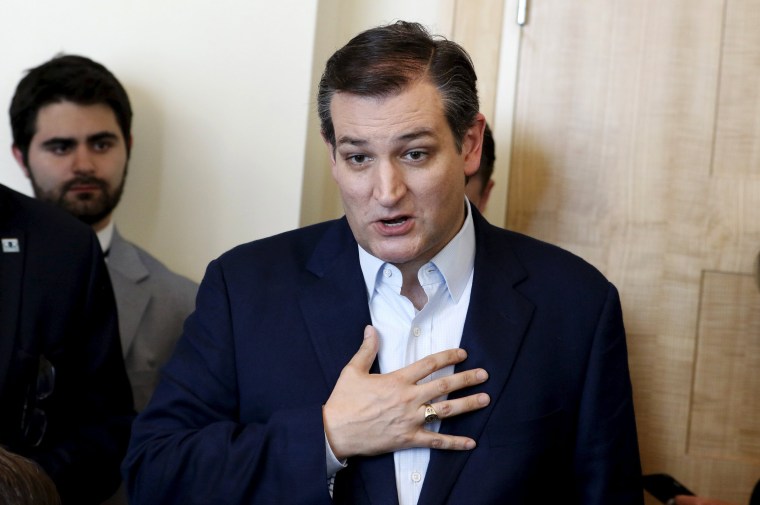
(10, 245)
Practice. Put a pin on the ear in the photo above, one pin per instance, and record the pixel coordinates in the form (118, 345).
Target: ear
(19, 156)
(485, 194)
(472, 145)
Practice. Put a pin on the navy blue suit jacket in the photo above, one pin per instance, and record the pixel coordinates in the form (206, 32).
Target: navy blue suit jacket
(236, 418)
(56, 301)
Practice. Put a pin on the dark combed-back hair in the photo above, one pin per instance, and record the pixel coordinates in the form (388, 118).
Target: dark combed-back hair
(487, 156)
(383, 61)
(66, 78)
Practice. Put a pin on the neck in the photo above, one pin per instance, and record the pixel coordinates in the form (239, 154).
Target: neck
(101, 224)
(412, 289)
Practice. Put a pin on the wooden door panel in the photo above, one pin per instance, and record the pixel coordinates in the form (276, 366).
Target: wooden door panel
(636, 141)
(725, 400)
(737, 151)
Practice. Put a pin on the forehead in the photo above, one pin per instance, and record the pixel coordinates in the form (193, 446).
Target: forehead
(417, 108)
(69, 120)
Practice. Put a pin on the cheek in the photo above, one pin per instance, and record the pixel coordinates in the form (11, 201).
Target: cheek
(116, 170)
(354, 190)
(45, 174)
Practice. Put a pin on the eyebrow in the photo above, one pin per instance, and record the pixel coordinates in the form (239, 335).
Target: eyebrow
(406, 137)
(102, 136)
(96, 137)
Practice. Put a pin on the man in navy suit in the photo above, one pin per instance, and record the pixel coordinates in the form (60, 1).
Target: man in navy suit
(491, 367)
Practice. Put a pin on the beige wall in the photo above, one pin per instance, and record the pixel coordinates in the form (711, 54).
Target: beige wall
(225, 131)
(221, 93)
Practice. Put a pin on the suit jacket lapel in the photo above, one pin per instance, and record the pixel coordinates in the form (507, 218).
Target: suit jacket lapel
(127, 272)
(496, 322)
(335, 308)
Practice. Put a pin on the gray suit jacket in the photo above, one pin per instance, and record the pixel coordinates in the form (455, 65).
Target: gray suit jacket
(152, 303)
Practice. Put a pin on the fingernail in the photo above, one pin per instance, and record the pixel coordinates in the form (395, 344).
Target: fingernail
(481, 375)
(366, 331)
(469, 445)
(462, 353)
(484, 399)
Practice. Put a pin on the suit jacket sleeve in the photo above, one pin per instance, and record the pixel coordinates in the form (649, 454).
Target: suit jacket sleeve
(191, 445)
(90, 411)
(607, 466)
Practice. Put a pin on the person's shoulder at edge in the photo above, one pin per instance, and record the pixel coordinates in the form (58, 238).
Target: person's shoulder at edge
(540, 257)
(300, 242)
(158, 269)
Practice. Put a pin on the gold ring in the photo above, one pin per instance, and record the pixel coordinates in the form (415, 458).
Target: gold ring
(431, 415)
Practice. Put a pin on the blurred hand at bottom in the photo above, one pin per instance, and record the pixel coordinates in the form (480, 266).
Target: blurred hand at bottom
(697, 500)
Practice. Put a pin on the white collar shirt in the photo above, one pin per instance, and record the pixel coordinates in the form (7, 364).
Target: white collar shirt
(408, 335)
(105, 236)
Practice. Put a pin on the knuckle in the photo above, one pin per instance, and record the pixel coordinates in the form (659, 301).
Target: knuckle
(445, 409)
(468, 379)
(428, 365)
(472, 403)
(443, 385)
(404, 440)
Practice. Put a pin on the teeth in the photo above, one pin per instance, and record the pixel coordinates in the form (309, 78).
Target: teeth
(394, 222)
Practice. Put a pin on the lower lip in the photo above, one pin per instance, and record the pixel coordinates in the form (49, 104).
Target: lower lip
(393, 231)
(83, 189)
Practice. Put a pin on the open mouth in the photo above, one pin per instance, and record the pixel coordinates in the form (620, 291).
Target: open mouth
(394, 222)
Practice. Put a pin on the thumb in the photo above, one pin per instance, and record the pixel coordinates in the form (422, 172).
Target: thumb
(367, 353)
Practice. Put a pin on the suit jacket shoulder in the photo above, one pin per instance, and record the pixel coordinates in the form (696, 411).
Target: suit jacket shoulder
(56, 301)
(533, 255)
(153, 303)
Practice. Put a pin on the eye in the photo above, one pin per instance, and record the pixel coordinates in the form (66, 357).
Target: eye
(416, 155)
(59, 148)
(102, 145)
(357, 159)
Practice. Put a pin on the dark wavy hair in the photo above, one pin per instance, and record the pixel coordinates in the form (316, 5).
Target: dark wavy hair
(487, 157)
(383, 61)
(69, 78)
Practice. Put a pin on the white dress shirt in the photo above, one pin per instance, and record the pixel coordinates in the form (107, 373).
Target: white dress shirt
(105, 235)
(408, 335)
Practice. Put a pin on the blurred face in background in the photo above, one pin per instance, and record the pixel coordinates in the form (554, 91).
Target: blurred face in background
(77, 160)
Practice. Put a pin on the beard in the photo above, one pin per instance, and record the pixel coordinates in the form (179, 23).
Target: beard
(89, 207)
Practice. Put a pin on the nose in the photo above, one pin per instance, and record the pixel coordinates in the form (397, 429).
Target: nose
(83, 161)
(390, 185)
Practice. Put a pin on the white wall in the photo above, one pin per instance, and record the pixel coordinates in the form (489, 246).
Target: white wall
(221, 92)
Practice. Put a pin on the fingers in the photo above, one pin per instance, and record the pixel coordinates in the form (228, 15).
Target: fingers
(429, 364)
(451, 408)
(446, 442)
(446, 385)
(366, 354)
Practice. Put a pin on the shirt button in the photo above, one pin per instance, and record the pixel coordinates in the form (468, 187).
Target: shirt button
(417, 331)
(387, 272)
(416, 477)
